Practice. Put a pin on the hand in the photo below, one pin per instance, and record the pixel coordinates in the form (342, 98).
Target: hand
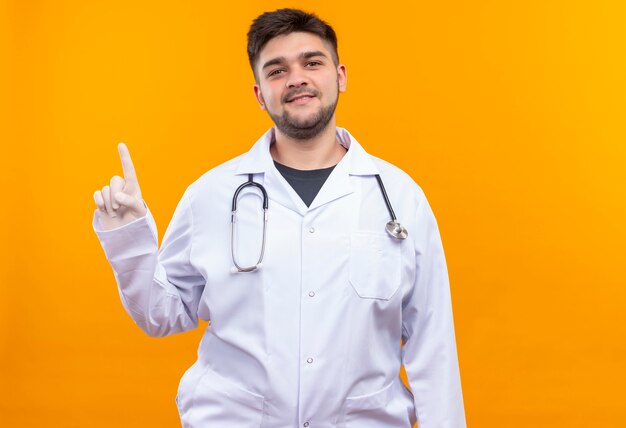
(120, 202)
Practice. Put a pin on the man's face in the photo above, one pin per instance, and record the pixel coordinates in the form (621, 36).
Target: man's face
(298, 83)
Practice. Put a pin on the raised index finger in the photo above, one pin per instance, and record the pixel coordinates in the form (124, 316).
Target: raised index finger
(127, 163)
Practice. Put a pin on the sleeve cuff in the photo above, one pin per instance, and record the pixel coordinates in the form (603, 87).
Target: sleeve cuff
(136, 238)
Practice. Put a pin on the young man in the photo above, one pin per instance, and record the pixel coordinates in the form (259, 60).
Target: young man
(308, 301)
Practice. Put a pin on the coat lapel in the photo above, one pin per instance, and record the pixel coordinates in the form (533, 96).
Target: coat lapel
(355, 162)
(259, 161)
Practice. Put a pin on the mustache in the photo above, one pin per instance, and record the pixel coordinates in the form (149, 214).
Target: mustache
(299, 91)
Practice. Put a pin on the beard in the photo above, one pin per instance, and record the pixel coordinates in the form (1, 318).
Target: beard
(305, 129)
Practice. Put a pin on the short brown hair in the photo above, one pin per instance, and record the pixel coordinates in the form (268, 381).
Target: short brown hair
(285, 21)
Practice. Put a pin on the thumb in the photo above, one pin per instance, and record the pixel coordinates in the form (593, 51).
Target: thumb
(135, 205)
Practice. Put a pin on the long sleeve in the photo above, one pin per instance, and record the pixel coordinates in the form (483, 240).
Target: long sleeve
(160, 289)
(429, 351)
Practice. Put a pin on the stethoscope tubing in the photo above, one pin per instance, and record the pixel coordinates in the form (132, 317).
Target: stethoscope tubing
(394, 228)
(385, 197)
(233, 216)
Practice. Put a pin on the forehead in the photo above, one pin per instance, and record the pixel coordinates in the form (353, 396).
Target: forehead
(291, 45)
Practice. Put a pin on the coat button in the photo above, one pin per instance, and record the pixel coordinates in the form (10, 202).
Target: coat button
(311, 230)
(311, 293)
(309, 360)
(306, 424)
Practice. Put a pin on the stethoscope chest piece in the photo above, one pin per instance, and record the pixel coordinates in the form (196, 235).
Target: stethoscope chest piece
(396, 230)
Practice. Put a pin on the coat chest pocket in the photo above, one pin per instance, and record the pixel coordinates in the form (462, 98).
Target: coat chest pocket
(375, 265)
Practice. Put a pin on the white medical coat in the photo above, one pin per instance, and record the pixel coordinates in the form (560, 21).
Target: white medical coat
(313, 338)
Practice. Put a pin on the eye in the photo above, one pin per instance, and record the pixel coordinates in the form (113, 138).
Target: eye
(275, 72)
(313, 63)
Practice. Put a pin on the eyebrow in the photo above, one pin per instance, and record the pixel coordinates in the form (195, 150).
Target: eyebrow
(303, 55)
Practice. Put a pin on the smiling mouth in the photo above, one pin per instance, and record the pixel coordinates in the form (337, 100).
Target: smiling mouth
(300, 97)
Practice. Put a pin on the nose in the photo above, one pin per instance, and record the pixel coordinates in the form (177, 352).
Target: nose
(297, 78)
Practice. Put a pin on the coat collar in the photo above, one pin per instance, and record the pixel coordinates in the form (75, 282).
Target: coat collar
(258, 159)
(356, 161)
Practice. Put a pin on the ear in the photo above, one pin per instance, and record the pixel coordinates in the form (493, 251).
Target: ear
(342, 77)
(259, 96)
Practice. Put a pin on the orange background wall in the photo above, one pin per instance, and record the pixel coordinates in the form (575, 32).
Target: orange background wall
(510, 114)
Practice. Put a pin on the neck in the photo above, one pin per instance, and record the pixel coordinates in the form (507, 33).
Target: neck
(321, 151)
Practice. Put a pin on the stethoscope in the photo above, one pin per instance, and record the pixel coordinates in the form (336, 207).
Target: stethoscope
(393, 227)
